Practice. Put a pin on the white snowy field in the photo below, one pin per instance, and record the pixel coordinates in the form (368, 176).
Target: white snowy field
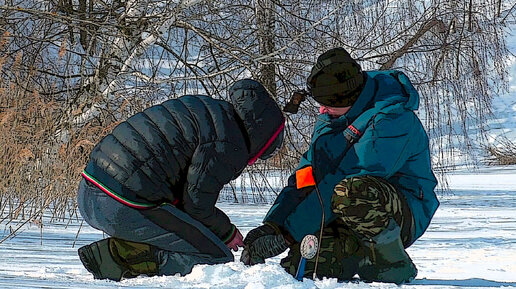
(471, 243)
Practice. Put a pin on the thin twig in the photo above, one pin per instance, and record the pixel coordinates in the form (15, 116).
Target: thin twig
(77, 235)
(13, 232)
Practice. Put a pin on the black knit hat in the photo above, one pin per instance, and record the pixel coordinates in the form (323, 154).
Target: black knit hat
(336, 79)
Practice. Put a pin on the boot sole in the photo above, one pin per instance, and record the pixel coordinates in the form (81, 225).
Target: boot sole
(88, 260)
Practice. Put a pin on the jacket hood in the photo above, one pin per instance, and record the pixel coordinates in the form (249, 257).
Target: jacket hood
(385, 88)
(261, 116)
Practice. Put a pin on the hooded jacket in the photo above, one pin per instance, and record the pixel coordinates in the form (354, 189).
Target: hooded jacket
(387, 140)
(184, 150)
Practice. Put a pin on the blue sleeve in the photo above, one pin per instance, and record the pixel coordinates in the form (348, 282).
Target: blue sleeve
(306, 217)
(288, 198)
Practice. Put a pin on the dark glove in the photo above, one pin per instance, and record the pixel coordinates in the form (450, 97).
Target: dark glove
(261, 243)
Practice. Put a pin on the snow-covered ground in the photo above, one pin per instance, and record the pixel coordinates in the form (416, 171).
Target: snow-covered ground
(471, 243)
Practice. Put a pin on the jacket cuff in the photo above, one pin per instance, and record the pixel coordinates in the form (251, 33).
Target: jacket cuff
(274, 226)
(231, 235)
(281, 231)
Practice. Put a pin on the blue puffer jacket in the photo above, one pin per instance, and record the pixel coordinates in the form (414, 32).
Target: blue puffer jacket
(393, 145)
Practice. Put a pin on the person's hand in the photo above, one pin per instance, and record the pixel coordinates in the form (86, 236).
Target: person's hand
(236, 242)
(262, 243)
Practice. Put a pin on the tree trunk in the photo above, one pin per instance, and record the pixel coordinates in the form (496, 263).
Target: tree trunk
(265, 21)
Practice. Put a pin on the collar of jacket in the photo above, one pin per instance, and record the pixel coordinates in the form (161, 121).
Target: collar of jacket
(382, 89)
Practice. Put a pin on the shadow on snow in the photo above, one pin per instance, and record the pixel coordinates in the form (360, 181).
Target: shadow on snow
(473, 282)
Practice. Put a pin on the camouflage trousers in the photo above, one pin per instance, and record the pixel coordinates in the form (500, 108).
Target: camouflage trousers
(364, 205)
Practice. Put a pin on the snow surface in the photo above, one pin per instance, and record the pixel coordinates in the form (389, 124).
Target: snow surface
(471, 243)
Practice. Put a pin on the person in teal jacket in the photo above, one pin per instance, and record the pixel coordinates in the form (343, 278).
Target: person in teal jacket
(365, 186)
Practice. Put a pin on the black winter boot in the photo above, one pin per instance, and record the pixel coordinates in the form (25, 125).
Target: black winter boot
(97, 259)
(116, 259)
(386, 259)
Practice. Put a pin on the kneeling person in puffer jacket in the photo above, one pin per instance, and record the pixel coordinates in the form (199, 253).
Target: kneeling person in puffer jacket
(152, 184)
